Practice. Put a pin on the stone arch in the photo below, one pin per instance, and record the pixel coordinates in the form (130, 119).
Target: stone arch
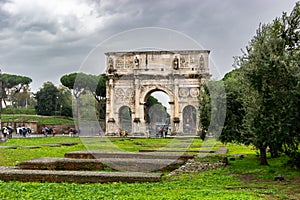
(189, 116)
(155, 117)
(125, 118)
(129, 82)
(157, 88)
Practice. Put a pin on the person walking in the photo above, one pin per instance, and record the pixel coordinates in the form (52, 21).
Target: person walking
(4, 132)
(24, 132)
(100, 131)
(53, 132)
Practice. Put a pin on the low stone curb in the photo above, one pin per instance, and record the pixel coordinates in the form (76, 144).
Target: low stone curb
(175, 150)
(13, 174)
(68, 143)
(8, 147)
(29, 147)
(100, 154)
(120, 164)
(52, 145)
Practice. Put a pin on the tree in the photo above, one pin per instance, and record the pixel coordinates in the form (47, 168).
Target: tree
(22, 99)
(273, 72)
(265, 90)
(235, 111)
(64, 104)
(47, 99)
(99, 93)
(82, 83)
(12, 85)
(212, 106)
(205, 111)
(76, 83)
(68, 81)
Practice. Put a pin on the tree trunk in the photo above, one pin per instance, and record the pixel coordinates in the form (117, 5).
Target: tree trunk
(263, 156)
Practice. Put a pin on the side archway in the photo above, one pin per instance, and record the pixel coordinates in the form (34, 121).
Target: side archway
(125, 119)
(189, 116)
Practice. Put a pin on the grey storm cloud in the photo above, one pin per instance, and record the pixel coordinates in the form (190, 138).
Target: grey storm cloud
(47, 39)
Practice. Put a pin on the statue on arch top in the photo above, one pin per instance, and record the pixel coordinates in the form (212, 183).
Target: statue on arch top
(176, 63)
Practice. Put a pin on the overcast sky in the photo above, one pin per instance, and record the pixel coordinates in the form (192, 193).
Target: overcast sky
(46, 39)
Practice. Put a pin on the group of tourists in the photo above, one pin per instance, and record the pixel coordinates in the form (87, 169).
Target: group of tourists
(73, 132)
(162, 131)
(8, 130)
(48, 131)
(23, 131)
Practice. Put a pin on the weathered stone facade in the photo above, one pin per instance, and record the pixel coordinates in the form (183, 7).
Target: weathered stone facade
(133, 76)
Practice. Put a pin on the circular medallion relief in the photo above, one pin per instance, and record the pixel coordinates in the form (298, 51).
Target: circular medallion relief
(183, 92)
(129, 93)
(194, 92)
(120, 92)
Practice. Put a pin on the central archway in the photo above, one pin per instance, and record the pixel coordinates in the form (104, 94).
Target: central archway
(164, 122)
(157, 114)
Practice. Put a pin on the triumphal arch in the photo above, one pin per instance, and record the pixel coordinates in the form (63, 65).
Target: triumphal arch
(133, 76)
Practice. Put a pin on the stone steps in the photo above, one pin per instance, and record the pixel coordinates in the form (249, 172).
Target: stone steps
(131, 167)
(120, 164)
(139, 155)
(15, 174)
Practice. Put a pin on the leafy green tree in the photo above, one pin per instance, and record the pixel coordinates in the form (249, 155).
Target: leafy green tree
(273, 72)
(99, 93)
(47, 99)
(205, 110)
(264, 91)
(64, 102)
(81, 84)
(68, 81)
(212, 107)
(77, 83)
(12, 85)
(22, 99)
(235, 111)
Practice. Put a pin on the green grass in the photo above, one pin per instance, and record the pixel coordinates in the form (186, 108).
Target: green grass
(134, 145)
(241, 179)
(27, 111)
(11, 157)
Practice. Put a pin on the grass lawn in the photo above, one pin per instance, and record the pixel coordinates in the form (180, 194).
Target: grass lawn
(241, 179)
(38, 118)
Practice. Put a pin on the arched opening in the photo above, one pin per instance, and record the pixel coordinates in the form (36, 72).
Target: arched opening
(189, 120)
(125, 119)
(157, 113)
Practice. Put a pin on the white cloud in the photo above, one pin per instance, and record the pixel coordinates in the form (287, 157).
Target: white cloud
(61, 19)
